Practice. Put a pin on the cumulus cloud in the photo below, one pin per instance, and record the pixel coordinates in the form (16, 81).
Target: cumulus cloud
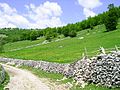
(88, 5)
(42, 16)
(47, 14)
(88, 12)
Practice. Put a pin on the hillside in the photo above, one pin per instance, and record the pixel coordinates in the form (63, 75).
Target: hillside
(64, 50)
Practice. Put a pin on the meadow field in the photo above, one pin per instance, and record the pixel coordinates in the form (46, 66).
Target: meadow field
(66, 50)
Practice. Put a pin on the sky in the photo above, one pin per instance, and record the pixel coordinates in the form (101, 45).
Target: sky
(49, 13)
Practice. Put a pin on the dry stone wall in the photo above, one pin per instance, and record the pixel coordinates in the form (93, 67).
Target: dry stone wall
(103, 69)
(43, 65)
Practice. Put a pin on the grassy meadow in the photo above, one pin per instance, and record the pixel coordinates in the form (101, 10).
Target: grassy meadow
(67, 50)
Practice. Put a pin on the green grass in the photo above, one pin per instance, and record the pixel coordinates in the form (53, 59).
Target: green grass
(42, 74)
(72, 47)
(7, 78)
(21, 44)
(93, 87)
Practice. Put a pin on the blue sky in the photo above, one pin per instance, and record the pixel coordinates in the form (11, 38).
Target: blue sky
(49, 13)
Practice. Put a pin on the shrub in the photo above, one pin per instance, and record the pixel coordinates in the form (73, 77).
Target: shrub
(72, 34)
(48, 37)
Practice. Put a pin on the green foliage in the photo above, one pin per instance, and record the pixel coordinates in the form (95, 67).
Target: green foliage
(65, 32)
(93, 87)
(48, 37)
(33, 35)
(50, 34)
(111, 18)
(69, 30)
(2, 42)
(25, 36)
(72, 34)
(7, 78)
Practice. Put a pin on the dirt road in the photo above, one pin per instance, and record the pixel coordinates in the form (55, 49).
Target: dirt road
(23, 80)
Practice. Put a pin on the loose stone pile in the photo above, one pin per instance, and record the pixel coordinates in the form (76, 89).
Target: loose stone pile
(102, 70)
(105, 70)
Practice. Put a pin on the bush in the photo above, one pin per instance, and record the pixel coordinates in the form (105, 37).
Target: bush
(48, 37)
(65, 32)
(72, 34)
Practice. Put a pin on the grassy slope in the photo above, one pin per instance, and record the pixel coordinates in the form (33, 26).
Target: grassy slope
(22, 44)
(72, 47)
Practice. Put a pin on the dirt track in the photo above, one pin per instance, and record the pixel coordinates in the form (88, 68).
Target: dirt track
(23, 80)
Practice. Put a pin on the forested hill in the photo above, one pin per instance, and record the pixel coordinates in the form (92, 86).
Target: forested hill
(108, 18)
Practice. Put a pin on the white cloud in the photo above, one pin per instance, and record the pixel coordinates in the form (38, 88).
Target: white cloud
(88, 12)
(45, 15)
(7, 9)
(88, 5)
(42, 16)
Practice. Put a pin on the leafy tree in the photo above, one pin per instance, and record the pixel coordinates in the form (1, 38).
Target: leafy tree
(65, 31)
(33, 35)
(111, 18)
(25, 36)
(110, 6)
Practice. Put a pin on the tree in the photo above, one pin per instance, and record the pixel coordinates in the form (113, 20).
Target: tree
(65, 31)
(111, 18)
(110, 6)
(33, 35)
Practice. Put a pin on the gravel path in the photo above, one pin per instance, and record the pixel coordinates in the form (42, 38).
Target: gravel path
(23, 80)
